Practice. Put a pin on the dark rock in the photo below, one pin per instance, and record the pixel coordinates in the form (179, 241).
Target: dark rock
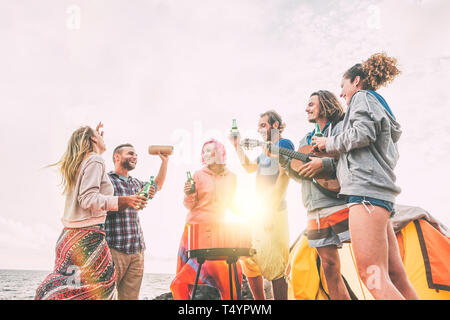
(164, 296)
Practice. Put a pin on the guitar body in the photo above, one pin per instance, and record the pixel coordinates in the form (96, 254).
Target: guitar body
(325, 180)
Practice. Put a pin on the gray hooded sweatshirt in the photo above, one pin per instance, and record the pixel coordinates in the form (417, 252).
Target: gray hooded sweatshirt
(368, 149)
(312, 197)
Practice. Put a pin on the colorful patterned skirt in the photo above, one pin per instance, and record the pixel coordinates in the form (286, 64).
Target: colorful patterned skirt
(213, 273)
(84, 269)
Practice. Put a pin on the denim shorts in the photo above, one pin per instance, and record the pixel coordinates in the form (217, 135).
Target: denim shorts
(389, 206)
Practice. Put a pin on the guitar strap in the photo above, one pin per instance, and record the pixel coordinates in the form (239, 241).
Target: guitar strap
(326, 192)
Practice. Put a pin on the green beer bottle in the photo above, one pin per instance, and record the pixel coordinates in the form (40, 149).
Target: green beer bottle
(318, 133)
(234, 129)
(146, 189)
(189, 178)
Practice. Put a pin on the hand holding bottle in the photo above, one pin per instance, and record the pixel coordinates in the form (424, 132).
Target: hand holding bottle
(234, 136)
(148, 190)
(189, 186)
(235, 140)
(151, 192)
(136, 201)
(319, 143)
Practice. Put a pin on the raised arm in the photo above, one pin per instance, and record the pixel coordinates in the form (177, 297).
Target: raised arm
(161, 177)
(247, 164)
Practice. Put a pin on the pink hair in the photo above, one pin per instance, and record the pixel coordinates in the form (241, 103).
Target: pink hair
(220, 148)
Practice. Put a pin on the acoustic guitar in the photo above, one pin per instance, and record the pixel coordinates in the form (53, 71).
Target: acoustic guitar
(325, 182)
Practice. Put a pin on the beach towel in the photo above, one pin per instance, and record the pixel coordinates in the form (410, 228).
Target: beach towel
(84, 269)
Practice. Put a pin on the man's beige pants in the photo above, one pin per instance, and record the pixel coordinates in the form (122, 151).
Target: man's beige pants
(130, 270)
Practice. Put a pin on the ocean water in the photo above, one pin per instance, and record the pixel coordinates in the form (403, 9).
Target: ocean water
(22, 284)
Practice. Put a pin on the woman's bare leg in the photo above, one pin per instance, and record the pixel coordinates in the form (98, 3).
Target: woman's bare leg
(370, 245)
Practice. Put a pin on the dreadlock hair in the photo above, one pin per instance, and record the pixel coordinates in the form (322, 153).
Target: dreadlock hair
(330, 107)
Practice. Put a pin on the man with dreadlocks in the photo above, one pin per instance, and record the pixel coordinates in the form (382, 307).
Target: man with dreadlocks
(327, 216)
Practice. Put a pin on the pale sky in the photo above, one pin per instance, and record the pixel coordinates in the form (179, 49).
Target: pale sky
(177, 72)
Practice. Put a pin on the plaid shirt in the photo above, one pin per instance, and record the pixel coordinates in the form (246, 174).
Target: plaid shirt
(123, 229)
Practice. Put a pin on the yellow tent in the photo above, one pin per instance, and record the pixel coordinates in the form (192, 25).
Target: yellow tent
(424, 246)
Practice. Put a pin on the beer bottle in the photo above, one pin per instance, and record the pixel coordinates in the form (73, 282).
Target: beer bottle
(189, 178)
(318, 133)
(152, 183)
(145, 191)
(234, 129)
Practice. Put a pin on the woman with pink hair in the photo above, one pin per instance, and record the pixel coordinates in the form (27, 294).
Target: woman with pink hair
(215, 186)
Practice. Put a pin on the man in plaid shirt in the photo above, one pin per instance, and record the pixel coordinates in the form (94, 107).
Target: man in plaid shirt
(123, 229)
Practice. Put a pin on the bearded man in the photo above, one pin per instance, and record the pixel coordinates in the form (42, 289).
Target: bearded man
(123, 230)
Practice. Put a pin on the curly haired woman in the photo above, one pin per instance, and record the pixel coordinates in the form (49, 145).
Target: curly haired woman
(368, 156)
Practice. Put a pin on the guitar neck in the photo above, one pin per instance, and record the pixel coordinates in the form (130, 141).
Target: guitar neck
(294, 154)
(284, 151)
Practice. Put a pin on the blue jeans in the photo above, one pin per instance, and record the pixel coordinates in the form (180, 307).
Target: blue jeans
(389, 206)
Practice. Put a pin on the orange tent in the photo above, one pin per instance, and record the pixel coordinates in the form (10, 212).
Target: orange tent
(425, 250)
